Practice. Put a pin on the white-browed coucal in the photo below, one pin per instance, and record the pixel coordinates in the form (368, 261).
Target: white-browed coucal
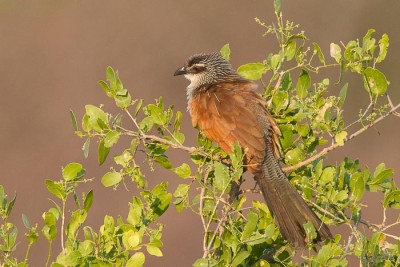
(226, 107)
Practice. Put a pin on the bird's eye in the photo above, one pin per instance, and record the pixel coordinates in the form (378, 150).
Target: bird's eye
(196, 69)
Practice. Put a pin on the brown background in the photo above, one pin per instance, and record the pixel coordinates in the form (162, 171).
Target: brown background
(52, 53)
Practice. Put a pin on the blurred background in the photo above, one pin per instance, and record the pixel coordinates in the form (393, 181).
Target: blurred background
(52, 53)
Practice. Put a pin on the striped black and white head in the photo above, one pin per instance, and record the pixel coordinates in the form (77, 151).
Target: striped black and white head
(206, 69)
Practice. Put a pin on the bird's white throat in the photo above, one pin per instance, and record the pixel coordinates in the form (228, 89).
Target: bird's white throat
(195, 82)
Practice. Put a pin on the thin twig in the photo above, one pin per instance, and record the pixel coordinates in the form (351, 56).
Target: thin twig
(134, 121)
(361, 118)
(389, 226)
(201, 206)
(224, 216)
(155, 138)
(392, 236)
(391, 105)
(349, 242)
(321, 209)
(62, 225)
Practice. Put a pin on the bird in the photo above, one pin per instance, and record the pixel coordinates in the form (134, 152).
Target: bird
(227, 109)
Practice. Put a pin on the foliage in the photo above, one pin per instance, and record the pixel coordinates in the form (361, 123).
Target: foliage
(309, 111)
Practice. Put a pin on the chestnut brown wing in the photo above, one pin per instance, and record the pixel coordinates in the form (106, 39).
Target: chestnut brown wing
(230, 112)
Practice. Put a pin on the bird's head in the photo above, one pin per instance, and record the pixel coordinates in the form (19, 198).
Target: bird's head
(206, 69)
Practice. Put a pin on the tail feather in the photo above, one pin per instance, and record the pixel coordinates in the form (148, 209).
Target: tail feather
(286, 204)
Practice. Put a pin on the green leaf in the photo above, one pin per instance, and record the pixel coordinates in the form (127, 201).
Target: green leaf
(290, 50)
(382, 176)
(131, 239)
(222, 178)
(146, 124)
(203, 263)
(88, 201)
(318, 51)
(340, 138)
(275, 61)
(138, 106)
(157, 114)
(85, 148)
(106, 88)
(177, 122)
(294, 156)
(85, 248)
(303, 129)
(311, 233)
(73, 171)
(179, 138)
(134, 146)
(102, 152)
(373, 243)
(78, 217)
(163, 199)
(252, 220)
(111, 178)
(2, 196)
(10, 205)
(73, 119)
(240, 257)
(123, 101)
(56, 212)
(286, 82)
(375, 81)
(350, 53)
(137, 260)
(155, 251)
(163, 161)
(252, 71)
(69, 259)
(25, 220)
(32, 236)
(181, 190)
(380, 168)
(135, 212)
(303, 84)
(225, 52)
(56, 189)
(392, 200)
(357, 185)
(383, 46)
(342, 95)
(336, 52)
(287, 135)
(124, 159)
(49, 232)
(110, 74)
(183, 171)
(277, 6)
(368, 35)
(111, 138)
(96, 118)
(328, 175)
(236, 156)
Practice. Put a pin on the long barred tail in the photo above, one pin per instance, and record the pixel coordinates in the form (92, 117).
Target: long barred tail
(286, 204)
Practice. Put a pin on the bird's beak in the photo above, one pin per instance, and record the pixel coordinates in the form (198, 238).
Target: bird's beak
(180, 71)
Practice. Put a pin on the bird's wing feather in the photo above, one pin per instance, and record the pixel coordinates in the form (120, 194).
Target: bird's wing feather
(225, 113)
